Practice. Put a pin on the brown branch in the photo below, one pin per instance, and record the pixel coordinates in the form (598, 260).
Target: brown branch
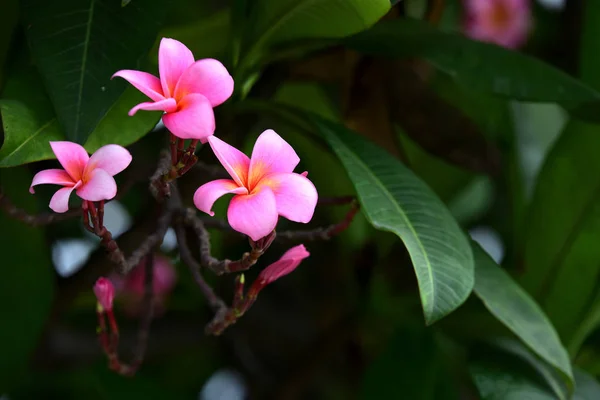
(214, 301)
(321, 233)
(34, 220)
(221, 267)
(435, 10)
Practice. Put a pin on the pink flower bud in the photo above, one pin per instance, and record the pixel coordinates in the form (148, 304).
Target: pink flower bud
(286, 264)
(105, 293)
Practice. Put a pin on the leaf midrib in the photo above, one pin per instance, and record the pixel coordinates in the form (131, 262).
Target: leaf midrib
(86, 47)
(392, 199)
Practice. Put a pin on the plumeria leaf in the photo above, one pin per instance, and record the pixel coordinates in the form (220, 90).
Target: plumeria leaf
(480, 66)
(395, 200)
(273, 22)
(78, 51)
(518, 311)
(26, 282)
(588, 388)
(29, 121)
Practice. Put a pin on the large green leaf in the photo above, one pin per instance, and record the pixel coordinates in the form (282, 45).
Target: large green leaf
(78, 45)
(588, 388)
(26, 282)
(563, 229)
(395, 200)
(518, 311)
(29, 121)
(283, 20)
(496, 381)
(480, 66)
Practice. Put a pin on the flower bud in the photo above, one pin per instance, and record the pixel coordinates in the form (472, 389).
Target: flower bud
(105, 293)
(286, 264)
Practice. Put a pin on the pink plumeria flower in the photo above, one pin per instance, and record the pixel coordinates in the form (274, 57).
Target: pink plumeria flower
(187, 90)
(105, 293)
(264, 186)
(286, 264)
(504, 22)
(132, 287)
(91, 177)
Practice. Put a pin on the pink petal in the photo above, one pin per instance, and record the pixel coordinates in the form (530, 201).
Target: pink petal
(72, 157)
(166, 105)
(271, 154)
(207, 194)
(286, 264)
(173, 58)
(254, 214)
(208, 77)
(142, 81)
(193, 120)
(60, 201)
(53, 176)
(234, 161)
(112, 158)
(295, 195)
(99, 186)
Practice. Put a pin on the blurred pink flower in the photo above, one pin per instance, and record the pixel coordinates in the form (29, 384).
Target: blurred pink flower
(286, 264)
(264, 186)
(91, 177)
(187, 91)
(105, 293)
(504, 22)
(131, 287)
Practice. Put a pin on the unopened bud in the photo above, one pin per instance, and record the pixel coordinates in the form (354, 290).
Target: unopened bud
(105, 293)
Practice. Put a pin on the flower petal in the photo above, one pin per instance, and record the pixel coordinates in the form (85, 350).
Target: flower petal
(142, 81)
(99, 186)
(234, 161)
(271, 154)
(254, 214)
(72, 157)
(53, 176)
(295, 195)
(193, 120)
(173, 58)
(286, 264)
(207, 194)
(112, 158)
(166, 105)
(208, 77)
(60, 201)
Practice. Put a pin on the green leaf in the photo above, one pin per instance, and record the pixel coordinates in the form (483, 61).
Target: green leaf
(284, 20)
(563, 229)
(480, 66)
(588, 388)
(507, 382)
(8, 23)
(28, 120)
(26, 282)
(78, 45)
(518, 311)
(395, 200)
(117, 127)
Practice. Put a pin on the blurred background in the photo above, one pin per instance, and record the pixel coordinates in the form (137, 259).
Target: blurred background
(348, 323)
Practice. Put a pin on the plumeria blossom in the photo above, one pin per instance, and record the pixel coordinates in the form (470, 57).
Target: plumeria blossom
(264, 186)
(286, 264)
(504, 22)
(187, 90)
(91, 177)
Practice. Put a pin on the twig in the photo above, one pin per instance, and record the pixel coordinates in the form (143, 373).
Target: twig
(115, 254)
(322, 233)
(435, 10)
(221, 267)
(34, 220)
(186, 255)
